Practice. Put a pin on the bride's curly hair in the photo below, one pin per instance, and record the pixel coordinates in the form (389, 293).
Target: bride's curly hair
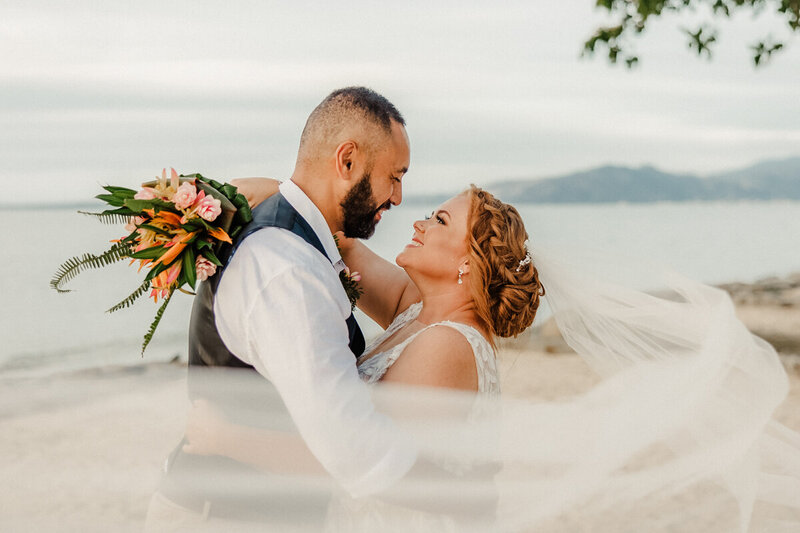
(506, 292)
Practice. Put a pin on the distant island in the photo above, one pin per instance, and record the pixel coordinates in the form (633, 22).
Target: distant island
(767, 180)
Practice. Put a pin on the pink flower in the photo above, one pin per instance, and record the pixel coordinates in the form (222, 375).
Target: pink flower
(130, 227)
(145, 194)
(185, 195)
(208, 207)
(355, 276)
(205, 268)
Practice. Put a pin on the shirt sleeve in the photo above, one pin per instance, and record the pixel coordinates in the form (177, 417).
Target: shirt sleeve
(291, 328)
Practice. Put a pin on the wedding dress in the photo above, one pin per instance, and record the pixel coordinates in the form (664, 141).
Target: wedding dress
(372, 366)
(346, 514)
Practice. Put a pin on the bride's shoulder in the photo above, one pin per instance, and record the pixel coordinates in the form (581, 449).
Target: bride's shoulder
(437, 357)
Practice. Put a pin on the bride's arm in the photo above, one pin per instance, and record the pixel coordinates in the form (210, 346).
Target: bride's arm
(256, 190)
(209, 433)
(388, 291)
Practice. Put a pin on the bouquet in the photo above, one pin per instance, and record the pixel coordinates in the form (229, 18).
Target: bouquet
(176, 227)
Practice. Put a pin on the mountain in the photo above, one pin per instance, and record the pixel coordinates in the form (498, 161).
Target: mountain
(767, 180)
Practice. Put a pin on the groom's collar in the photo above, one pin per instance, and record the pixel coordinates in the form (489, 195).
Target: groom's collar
(311, 213)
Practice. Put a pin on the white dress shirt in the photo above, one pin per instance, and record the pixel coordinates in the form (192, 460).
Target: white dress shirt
(281, 308)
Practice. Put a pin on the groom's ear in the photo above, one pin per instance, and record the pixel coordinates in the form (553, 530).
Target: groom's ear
(345, 160)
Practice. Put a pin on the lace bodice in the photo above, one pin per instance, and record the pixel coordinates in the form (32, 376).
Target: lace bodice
(372, 366)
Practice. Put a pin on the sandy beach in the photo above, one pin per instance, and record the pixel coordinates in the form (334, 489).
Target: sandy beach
(84, 451)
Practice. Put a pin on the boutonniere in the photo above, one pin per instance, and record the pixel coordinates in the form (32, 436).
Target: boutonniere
(351, 288)
(349, 281)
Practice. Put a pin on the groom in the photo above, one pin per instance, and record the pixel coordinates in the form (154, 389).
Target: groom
(279, 307)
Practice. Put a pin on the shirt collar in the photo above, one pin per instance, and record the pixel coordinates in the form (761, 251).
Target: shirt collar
(311, 213)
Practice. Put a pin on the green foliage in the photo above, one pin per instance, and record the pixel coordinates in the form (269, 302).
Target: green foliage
(634, 15)
(155, 204)
(124, 207)
(112, 216)
(189, 270)
(211, 256)
(74, 266)
(135, 295)
(243, 213)
(351, 288)
(160, 313)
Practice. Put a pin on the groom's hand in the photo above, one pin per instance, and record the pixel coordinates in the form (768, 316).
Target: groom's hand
(256, 190)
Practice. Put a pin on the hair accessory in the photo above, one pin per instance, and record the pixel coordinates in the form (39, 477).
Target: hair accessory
(460, 273)
(523, 262)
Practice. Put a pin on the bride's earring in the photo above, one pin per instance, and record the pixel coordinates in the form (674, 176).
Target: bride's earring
(460, 273)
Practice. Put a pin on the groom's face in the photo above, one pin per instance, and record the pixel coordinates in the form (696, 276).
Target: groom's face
(379, 187)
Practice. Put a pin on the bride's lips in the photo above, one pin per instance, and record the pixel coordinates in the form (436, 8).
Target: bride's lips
(415, 243)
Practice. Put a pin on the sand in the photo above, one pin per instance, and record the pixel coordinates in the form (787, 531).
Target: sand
(84, 451)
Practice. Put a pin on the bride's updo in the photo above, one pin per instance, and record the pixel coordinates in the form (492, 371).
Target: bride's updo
(504, 284)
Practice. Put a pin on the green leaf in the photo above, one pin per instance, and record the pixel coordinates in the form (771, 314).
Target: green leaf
(155, 271)
(151, 331)
(212, 257)
(149, 253)
(111, 199)
(156, 229)
(74, 266)
(228, 190)
(121, 190)
(112, 216)
(200, 244)
(189, 268)
(127, 302)
(156, 203)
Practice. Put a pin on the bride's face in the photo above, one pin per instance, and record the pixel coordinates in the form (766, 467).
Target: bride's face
(438, 246)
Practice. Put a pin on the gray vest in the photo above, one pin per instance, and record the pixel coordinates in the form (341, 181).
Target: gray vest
(205, 345)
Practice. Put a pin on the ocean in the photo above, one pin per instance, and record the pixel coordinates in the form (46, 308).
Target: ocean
(44, 332)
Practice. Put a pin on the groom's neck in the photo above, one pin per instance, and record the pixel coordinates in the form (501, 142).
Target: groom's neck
(322, 193)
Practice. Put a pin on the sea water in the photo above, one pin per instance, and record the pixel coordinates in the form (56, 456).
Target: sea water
(44, 332)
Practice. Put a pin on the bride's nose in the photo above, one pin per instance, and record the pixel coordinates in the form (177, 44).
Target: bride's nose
(419, 225)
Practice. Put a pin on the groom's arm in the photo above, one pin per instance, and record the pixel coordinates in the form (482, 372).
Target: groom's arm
(288, 321)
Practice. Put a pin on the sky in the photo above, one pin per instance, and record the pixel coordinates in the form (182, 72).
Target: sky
(98, 92)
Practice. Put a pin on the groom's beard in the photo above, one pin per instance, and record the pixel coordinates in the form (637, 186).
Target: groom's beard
(359, 210)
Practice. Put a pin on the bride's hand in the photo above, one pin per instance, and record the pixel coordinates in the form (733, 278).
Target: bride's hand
(205, 428)
(256, 190)
(345, 243)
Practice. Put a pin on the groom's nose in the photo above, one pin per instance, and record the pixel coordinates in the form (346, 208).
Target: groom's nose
(397, 193)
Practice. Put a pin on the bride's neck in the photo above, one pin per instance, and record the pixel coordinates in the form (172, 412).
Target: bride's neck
(439, 304)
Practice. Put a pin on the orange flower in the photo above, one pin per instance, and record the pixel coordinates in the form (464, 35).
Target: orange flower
(162, 283)
(176, 246)
(220, 235)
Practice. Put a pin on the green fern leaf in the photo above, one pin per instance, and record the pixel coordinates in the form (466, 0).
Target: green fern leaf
(127, 302)
(149, 335)
(74, 266)
(110, 217)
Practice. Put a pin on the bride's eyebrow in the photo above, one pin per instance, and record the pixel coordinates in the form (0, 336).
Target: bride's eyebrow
(442, 212)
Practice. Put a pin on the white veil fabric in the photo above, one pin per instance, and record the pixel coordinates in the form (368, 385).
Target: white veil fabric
(678, 435)
(682, 420)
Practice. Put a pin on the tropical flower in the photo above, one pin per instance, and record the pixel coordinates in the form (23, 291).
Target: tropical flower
(185, 195)
(147, 193)
(205, 268)
(208, 207)
(172, 234)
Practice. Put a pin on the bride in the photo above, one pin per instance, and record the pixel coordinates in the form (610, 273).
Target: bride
(679, 434)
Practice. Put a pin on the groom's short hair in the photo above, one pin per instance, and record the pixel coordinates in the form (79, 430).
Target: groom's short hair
(342, 108)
